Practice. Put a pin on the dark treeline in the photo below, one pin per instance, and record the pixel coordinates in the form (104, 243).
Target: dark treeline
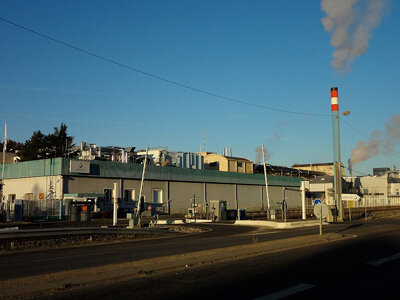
(40, 146)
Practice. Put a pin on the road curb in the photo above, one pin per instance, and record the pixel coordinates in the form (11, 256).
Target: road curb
(279, 225)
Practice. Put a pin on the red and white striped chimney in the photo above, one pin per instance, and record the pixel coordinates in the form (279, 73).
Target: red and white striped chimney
(334, 99)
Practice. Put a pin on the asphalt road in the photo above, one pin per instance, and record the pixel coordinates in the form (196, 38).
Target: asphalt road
(338, 269)
(23, 264)
(365, 267)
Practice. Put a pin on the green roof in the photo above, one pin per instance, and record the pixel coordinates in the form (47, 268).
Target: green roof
(109, 169)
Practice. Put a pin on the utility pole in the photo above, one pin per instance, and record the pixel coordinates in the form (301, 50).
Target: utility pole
(266, 184)
(141, 183)
(3, 199)
(115, 194)
(336, 154)
(194, 207)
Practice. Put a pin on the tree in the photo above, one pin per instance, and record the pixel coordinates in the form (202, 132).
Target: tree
(59, 143)
(41, 146)
(34, 148)
(12, 146)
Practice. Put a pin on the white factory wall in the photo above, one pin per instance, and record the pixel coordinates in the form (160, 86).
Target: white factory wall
(33, 188)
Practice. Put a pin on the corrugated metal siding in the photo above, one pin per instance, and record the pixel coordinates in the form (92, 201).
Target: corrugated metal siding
(34, 168)
(108, 169)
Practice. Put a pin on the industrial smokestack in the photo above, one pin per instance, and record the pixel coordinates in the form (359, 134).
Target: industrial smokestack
(350, 167)
(334, 99)
(230, 152)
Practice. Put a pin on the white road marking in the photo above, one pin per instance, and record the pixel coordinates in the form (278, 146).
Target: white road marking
(384, 260)
(287, 292)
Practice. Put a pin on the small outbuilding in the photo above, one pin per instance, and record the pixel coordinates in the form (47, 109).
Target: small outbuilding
(215, 161)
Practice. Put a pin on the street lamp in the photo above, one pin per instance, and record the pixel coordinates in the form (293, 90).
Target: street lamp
(346, 113)
(336, 152)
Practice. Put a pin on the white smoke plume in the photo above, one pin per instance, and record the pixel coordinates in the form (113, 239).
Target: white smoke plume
(271, 142)
(258, 160)
(351, 23)
(379, 143)
(392, 133)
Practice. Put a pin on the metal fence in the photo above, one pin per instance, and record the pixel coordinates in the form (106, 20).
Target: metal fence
(374, 201)
(46, 209)
(39, 208)
(365, 201)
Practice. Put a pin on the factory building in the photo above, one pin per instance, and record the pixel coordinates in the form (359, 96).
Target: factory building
(224, 163)
(285, 171)
(382, 190)
(163, 157)
(326, 168)
(168, 190)
(93, 152)
(321, 187)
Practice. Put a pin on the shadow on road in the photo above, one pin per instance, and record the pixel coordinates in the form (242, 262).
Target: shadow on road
(252, 277)
(350, 227)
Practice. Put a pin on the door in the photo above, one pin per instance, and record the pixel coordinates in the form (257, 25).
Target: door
(157, 196)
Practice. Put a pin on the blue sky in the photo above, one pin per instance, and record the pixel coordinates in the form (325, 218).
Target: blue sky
(270, 53)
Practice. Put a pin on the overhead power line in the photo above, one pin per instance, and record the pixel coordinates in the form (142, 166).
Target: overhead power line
(202, 91)
(368, 137)
(356, 171)
(361, 133)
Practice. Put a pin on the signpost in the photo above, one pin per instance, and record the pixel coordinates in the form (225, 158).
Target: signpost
(316, 201)
(284, 210)
(321, 212)
(351, 199)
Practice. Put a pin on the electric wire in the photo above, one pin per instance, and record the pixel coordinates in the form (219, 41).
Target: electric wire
(117, 63)
(363, 134)
(235, 100)
(354, 128)
(356, 171)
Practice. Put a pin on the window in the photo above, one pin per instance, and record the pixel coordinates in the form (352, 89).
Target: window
(157, 196)
(108, 195)
(29, 196)
(212, 166)
(129, 195)
(240, 165)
